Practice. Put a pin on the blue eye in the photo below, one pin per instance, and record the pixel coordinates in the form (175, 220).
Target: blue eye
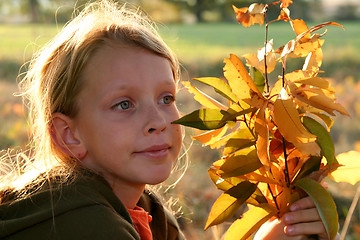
(123, 105)
(168, 99)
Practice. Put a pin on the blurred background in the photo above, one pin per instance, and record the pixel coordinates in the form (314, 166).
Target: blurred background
(202, 33)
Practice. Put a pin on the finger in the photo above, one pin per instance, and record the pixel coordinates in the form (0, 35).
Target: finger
(301, 216)
(302, 203)
(306, 229)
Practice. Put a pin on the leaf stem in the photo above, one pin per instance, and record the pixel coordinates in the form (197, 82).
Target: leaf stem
(274, 198)
(286, 170)
(267, 90)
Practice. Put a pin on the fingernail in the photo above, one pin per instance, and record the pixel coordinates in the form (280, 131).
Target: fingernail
(293, 207)
(287, 218)
(289, 230)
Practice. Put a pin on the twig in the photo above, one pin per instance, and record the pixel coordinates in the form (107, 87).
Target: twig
(267, 90)
(286, 171)
(276, 204)
(350, 213)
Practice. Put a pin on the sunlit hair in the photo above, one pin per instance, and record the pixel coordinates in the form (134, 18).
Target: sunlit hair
(53, 81)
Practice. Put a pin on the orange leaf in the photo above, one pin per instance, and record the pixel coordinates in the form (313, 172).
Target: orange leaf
(211, 136)
(284, 14)
(285, 3)
(251, 15)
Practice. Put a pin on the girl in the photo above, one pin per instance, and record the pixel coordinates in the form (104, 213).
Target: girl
(102, 99)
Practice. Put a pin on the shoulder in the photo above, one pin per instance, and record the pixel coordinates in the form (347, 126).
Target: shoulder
(84, 209)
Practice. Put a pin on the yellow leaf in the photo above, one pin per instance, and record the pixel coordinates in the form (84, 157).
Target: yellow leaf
(313, 61)
(211, 136)
(262, 143)
(222, 141)
(299, 26)
(241, 83)
(229, 202)
(349, 172)
(287, 119)
(250, 222)
(258, 61)
(203, 98)
(316, 82)
(320, 99)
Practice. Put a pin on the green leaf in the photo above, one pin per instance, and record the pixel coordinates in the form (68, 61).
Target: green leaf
(240, 163)
(250, 222)
(323, 138)
(220, 87)
(258, 78)
(206, 119)
(229, 202)
(311, 165)
(324, 204)
(240, 140)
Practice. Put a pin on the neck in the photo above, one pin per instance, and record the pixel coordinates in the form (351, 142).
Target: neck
(129, 194)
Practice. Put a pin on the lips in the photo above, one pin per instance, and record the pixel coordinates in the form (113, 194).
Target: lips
(155, 151)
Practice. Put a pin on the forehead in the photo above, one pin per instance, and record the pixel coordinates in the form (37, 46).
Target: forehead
(114, 66)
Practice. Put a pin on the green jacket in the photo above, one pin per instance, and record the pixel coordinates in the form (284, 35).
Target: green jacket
(84, 209)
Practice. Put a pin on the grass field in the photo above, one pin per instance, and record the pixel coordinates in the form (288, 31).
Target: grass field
(201, 49)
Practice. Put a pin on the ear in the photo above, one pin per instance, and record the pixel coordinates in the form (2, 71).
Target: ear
(65, 136)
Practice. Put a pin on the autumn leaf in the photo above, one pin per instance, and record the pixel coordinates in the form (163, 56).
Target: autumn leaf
(220, 87)
(284, 14)
(258, 61)
(250, 222)
(222, 183)
(285, 3)
(241, 83)
(349, 169)
(239, 140)
(211, 136)
(203, 98)
(247, 16)
(229, 202)
(320, 99)
(299, 26)
(242, 162)
(262, 142)
(287, 119)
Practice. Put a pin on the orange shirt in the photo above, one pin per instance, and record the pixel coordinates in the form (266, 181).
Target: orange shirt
(141, 220)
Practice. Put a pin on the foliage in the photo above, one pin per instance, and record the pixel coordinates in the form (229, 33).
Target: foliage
(274, 140)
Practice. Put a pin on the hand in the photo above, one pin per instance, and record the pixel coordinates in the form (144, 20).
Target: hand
(302, 221)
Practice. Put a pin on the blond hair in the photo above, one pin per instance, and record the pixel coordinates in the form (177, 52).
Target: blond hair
(53, 81)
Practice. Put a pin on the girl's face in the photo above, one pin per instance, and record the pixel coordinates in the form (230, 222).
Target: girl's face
(125, 114)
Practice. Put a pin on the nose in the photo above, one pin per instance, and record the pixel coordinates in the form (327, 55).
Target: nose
(155, 121)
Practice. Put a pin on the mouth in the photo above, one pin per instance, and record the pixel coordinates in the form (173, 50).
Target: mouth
(155, 151)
